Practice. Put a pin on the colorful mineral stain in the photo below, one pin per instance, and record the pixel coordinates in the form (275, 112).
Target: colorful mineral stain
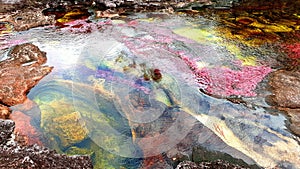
(5, 28)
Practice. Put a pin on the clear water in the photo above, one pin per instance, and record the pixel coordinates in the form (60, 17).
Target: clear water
(97, 100)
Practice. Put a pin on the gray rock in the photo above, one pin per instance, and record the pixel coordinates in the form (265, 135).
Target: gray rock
(6, 129)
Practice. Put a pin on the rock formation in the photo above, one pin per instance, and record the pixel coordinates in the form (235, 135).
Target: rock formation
(20, 72)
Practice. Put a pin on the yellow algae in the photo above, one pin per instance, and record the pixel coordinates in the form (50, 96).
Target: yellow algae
(248, 36)
(79, 151)
(297, 15)
(248, 60)
(272, 28)
(233, 49)
(68, 16)
(198, 35)
(8, 28)
(69, 128)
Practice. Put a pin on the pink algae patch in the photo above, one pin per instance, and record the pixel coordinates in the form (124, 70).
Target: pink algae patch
(226, 82)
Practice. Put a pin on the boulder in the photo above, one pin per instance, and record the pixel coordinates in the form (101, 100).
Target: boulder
(20, 72)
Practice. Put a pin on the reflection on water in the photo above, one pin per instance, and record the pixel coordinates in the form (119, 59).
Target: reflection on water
(131, 91)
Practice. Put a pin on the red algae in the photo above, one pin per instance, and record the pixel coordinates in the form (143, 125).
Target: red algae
(83, 26)
(226, 82)
(293, 50)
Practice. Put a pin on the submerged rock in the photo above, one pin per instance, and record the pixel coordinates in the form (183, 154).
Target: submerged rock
(20, 72)
(69, 129)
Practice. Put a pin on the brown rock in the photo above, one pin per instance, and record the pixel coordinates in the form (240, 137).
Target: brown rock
(4, 112)
(26, 19)
(285, 88)
(19, 73)
(294, 117)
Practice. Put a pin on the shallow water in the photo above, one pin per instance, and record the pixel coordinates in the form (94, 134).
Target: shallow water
(104, 98)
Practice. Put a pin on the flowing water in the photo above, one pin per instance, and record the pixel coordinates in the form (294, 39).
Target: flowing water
(129, 90)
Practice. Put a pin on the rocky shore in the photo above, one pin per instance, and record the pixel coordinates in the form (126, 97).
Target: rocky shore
(14, 155)
(21, 71)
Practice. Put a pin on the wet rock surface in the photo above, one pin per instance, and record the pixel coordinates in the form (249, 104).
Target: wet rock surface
(285, 86)
(21, 71)
(34, 156)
